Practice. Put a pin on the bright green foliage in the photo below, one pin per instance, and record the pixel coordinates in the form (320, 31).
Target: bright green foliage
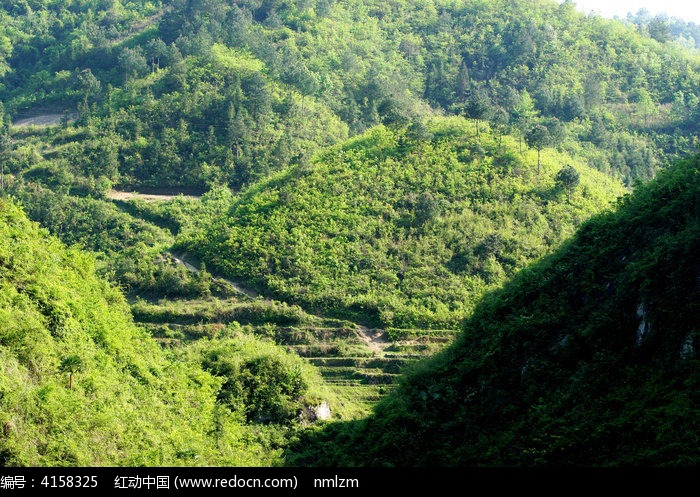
(132, 405)
(71, 364)
(199, 93)
(260, 380)
(588, 357)
(406, 225)
(398, 231)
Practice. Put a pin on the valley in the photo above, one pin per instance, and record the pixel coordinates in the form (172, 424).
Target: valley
(358, 233)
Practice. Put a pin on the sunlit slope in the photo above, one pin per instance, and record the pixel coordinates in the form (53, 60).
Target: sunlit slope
(403, 227)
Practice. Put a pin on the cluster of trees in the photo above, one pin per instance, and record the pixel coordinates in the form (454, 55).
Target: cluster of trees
(400, 226)
(195, 94)
(663, 28)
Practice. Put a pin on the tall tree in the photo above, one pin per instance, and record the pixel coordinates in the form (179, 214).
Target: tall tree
(71, 365)
(132, 62)
(478, 107)
(524, 113)
(462, 82)
(538, 137)
(500, 122)
(89, 85)
(4, 142)
(569, 178)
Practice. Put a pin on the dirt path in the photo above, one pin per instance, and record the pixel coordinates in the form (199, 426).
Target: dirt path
(375, 339)
(180, 259)
(42, 120)
(146, 197)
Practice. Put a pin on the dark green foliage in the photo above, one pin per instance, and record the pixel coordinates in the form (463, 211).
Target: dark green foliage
(588, 357)
(569, 178)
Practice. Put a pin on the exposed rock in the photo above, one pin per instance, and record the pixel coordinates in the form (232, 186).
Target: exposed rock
(323, 412)
(644, 326)
(688, 348)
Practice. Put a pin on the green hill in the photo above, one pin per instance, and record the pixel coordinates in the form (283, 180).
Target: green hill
(402, 227)
(191, 94)
(384, 165)
(589, 357)
(80, 385)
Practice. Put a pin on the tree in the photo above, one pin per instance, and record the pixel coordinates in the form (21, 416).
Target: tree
(659, 28)
(524, 112)
(89, 85)
(305, 81)
(478, 107)
(568, 178)
(132, 62)
(71, 364)
(538, 137)
(5, 142)
(418, 131)
(500, 122)
(462, 82)
(645, 104)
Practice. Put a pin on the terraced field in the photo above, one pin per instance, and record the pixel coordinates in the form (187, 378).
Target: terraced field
(339, 349)
(358, 363)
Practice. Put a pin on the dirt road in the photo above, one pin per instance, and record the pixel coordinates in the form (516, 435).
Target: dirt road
(146, 197)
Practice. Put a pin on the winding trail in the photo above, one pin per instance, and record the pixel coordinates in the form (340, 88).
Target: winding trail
(375, 339)
(180, 259)
(43, 120)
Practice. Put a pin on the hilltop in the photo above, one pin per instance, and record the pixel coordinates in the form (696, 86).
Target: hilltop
(403, 227)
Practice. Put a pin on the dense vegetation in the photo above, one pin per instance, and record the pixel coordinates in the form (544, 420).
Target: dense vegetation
(80, 385)
(588, 357)
(194, 94)
(380, 164)
(401, 227)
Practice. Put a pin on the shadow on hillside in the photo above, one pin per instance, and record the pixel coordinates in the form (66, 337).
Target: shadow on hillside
(325, 446)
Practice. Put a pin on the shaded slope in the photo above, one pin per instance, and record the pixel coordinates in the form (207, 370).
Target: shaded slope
(586, 358)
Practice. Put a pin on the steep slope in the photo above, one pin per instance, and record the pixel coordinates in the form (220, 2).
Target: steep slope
(80, 385)
(401, 226)
(589, 357)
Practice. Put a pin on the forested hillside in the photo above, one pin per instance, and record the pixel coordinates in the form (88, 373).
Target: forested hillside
(402, 227)
(333, 188)
(588, 357)
(80, 385)
(192, 94)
